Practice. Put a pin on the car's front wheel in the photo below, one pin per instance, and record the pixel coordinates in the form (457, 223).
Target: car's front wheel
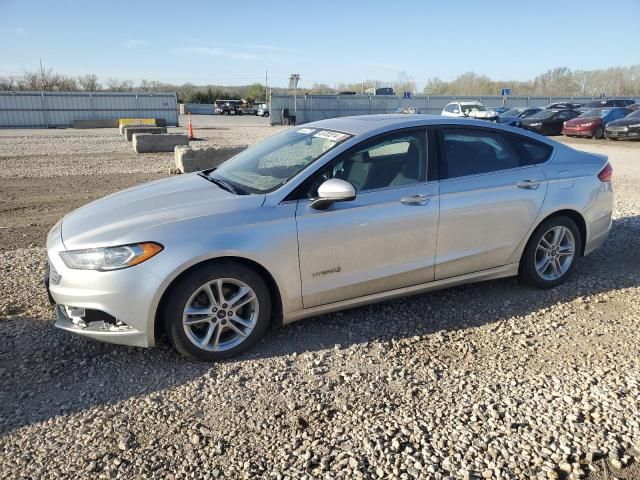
(598, 133)
(217, 311)
(552, 253)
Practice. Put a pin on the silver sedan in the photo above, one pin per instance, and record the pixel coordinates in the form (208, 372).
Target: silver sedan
(331, 215)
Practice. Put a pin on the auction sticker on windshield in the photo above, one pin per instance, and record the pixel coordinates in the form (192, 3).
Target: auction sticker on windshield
(306, 130)
(331, 135)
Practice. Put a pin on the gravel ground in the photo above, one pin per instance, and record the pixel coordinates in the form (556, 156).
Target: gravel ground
(493, 380)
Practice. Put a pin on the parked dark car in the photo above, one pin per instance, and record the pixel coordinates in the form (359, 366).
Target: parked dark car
(592, 122)
(612, 102)
(548, 122)
(500, 110)
(562, 106)
(627, 128)
(513, 116)
(385, 91)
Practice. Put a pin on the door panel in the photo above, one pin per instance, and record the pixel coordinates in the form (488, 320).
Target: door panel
(380, 241)
(483, 218)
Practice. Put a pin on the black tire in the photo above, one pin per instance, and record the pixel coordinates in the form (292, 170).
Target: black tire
(599, 133)
(266, 114)
(181, 293)
(528, 272)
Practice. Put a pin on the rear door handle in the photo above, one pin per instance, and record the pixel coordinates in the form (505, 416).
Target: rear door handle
(417, 200)
(528, 184)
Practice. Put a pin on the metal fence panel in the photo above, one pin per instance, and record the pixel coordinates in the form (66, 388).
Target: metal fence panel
(60, 109)
(310, 108)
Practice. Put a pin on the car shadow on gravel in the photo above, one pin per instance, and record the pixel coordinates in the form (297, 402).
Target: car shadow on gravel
(45, 373)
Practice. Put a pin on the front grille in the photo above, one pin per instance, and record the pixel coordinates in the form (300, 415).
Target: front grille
(617, 129)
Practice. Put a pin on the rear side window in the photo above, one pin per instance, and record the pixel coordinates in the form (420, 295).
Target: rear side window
(469, 151)
(475, 151)
(535, 152)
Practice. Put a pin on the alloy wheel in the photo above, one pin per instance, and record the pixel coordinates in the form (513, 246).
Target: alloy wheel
(220, 314)
(555, 253)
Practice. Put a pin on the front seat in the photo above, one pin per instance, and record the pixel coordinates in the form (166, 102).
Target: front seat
(410, 172)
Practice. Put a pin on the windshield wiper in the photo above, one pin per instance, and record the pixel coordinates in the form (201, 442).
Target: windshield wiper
(221, 183)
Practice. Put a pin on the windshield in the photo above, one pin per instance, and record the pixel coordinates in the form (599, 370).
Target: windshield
(273, 162)
(596, 113)
(595, 103)
(514, 112)
(542, 115)
(471, 108)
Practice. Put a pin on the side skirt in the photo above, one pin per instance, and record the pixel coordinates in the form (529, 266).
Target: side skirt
(491, 274)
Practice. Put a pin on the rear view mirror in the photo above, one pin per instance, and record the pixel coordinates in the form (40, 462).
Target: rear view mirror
(333, 190)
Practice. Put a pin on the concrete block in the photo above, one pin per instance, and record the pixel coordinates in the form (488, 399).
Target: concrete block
(106, 123)
(129, 130)
(188, 159)
(161, 142)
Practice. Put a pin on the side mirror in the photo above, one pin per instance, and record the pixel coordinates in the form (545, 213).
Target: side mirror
(333, 190)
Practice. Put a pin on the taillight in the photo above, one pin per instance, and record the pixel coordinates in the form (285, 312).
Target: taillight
(606, 174)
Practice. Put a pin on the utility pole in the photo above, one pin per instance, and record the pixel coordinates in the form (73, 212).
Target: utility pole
(266, 86)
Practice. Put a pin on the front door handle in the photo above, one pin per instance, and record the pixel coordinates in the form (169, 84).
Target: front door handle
(528, 184)
(417, 200)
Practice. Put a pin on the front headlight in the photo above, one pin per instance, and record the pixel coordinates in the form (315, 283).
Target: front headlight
(110, 258)
(537, 124)
(635, 125)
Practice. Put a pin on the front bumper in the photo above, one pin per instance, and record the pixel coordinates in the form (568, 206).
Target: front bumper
(101, 331)
(537, 129)
(126, 297)
(578, 132)
(623, 134)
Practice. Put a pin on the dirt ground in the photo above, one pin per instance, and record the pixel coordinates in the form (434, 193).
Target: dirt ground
(510, 382)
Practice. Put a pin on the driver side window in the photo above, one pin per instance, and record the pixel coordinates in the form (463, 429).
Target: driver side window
(391, 161)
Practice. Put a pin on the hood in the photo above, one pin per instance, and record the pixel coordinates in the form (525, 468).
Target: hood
(124, 216)
(529, 120)
(624, 122)
(579, 121)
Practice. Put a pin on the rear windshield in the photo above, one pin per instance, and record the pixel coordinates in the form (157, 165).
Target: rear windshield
(596, 113)
(543, 114)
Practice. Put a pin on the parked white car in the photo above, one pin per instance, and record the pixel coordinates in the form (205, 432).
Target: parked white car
(470, 110)
(263, 110)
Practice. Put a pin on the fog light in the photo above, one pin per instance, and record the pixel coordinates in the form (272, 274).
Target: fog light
(74, 312)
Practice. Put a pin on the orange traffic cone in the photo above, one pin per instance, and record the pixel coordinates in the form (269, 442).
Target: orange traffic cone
(191, 137)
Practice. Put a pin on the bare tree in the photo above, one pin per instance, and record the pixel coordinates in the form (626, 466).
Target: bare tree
(89, 83)
(8, 83)
(116, 85)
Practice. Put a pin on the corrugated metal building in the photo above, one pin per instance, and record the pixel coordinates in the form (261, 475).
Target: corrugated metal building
(60, 109)
(310, 108)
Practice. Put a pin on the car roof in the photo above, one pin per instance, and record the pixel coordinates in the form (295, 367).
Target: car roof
(371, 124)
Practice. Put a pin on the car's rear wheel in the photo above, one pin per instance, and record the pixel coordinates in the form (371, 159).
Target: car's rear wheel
(599, 132)
(552, 253)
(217, 311)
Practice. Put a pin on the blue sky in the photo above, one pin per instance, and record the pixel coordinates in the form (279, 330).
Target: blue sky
(228, 42)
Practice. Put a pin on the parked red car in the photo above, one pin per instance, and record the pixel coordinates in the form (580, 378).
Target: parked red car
(592, 123)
